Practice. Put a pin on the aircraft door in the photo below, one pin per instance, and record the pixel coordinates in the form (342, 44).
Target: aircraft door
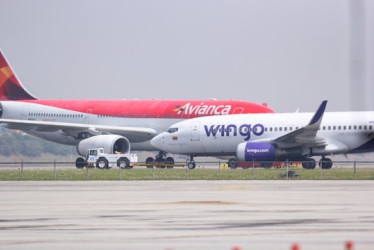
(195, 136)
(87, 116)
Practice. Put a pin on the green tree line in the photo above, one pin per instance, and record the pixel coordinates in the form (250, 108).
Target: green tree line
(27, 145)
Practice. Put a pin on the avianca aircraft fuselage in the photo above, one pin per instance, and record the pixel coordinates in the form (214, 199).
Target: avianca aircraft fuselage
(271, 137)
(112, 124)
(70, 121)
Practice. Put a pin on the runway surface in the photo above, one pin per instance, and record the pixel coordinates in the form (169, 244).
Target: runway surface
(186, 214)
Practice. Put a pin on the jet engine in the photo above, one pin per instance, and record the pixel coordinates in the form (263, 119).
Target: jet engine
(264, 151)
(110, 143)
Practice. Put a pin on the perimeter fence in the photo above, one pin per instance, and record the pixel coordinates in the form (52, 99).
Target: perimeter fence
(66, 171)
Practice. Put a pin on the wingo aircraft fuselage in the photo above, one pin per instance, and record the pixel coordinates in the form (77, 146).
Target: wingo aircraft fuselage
(272, 137)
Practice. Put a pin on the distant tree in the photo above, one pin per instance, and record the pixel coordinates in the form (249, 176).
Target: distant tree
(8, 145)
(30, 148)
(24, 144)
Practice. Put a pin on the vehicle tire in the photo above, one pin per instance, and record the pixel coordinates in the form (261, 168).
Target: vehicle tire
(123, 163)
(191, 165)
(232, 163)
(80, 163)
(170, 162)
(102, 163)
(150, 161)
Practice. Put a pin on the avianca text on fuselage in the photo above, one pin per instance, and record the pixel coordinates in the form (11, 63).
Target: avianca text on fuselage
(244, 130)
(203, 109)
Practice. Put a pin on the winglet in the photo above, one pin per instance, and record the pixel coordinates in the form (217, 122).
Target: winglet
(10, 87)
(317, 118)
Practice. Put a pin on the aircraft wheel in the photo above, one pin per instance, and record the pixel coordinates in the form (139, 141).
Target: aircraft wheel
(325, 163)
(80, 163)
(170, 162)
(102, 163)
(191, 165)
(150, 161)
(309, 163)
(123, 162)
(232, 163)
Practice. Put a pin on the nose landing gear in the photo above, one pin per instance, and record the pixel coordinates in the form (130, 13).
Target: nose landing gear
(160, 161)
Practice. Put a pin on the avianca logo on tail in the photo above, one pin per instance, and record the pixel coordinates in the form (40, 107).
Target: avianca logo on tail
(203, 109)
(6, 72)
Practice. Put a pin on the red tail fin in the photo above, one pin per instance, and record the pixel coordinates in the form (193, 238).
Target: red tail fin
(10, 87)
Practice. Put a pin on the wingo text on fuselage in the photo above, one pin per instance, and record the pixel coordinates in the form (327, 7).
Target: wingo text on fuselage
(244, 130)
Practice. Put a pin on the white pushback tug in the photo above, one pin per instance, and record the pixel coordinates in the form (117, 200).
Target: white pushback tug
(96, 157)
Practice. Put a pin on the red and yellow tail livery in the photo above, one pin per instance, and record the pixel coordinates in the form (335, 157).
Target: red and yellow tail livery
(10, 86)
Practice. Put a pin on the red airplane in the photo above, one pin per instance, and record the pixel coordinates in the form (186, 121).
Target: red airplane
(116, 125)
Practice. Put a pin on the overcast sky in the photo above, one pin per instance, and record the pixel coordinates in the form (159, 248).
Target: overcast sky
(291, 54)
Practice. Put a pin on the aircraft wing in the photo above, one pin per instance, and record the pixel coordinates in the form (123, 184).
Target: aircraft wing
(305, 136)
(134, 134)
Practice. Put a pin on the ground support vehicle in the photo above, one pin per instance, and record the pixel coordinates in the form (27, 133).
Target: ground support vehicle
(97, 157)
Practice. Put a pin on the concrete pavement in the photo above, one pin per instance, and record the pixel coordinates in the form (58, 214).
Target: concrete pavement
(186, 214)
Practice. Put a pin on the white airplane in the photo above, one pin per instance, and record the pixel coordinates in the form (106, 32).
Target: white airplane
(115, 125)
(272, 137)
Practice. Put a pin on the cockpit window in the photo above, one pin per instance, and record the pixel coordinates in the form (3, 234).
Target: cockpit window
(172, 130)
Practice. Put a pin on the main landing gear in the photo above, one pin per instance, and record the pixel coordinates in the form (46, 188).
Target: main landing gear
(325, 163)
(310, 163)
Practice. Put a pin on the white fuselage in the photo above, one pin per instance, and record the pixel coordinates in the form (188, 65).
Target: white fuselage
(342, 132)
(37, 112)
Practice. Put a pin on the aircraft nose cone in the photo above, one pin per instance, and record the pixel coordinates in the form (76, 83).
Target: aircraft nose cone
(158, 141)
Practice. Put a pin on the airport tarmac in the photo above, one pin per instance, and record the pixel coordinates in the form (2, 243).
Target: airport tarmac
(186, 214)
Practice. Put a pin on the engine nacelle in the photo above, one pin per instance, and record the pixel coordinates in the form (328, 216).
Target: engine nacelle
(264, 151)
(256, 151)
(110, 143)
